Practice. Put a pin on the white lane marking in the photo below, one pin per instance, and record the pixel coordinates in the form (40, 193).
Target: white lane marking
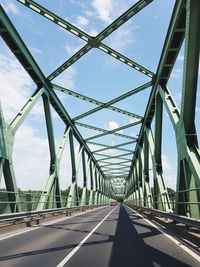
(19, 233)
(177, 242)
(68, 257)
(192, 244)
(47, 223)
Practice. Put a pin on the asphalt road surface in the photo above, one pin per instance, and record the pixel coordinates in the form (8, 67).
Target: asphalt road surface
(107, 237)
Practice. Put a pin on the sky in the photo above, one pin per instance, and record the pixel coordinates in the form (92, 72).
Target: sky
(96, 75)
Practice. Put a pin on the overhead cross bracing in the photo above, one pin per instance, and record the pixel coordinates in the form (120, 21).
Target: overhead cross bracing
(100, 156)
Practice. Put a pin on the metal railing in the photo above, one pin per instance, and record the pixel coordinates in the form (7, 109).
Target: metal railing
(190, 222)
(28, 217)
(29, 201)
(150, 205)
(155, 200)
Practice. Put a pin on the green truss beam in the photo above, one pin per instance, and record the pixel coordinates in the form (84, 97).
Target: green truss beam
(107, 147)
(103, 130)
(91, 41)
(101, 105)
(125, 161)
(116, 174)
(109, 156)
(184, 23)
(171, 48)
(21, 116)
(18, 47)
(121, 168)
(121, 164)
(115, 100)
(114, 130)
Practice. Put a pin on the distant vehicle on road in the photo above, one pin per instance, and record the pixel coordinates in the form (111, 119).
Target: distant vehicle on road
(113, 203)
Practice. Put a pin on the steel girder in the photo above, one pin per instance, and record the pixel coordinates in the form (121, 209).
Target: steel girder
(6, 163)
(51, 194)
(101, 105)
(91, 41)
(184, 23)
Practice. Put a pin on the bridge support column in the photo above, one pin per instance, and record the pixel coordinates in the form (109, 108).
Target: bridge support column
(100, 198)
(6, 164)
(85, 175)
(91, 200)
(72, 197)
(137, 196)
(134, 197)
(96, 198)
(92, 176)
(189, 156)
(51, 196)
(161, 197)
(84, 196)
(104, 199)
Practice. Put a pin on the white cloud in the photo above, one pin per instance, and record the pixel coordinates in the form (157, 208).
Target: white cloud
(10, 7)
(76, 2)
(31, 152)
(103, 9)
(108, 10)
(94, 147)
(16, 85)
(121, 39)
(132, 120)
(82, 21)
(71, 49)
(93, 33)
(178, 98)
(169, 172)
(31, 158)
(180, 58)
(66, 79)
(176, 73)
(166, 163)
(111, 125)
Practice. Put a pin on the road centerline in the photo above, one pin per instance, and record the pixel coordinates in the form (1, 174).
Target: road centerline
(68, 257)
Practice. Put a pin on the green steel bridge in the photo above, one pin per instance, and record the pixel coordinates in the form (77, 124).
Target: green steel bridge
(123, 176)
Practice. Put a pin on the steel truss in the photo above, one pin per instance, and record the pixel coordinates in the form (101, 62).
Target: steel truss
(104, 171)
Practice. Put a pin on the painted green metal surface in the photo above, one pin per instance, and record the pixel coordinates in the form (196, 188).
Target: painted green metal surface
(125, 174)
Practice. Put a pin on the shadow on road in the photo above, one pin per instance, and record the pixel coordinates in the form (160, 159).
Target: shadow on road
(130, 246)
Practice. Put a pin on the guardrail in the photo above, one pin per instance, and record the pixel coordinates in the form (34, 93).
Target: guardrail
(152, 201)
(28, 217)
(29, 201)
(190, 222)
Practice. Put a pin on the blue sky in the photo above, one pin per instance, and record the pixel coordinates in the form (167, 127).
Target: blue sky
(96, 75)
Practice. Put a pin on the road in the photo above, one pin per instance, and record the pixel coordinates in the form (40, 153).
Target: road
(111, 237)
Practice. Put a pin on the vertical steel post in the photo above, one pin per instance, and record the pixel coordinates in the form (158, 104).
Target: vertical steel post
(91, 199)
(6, 164)
(188, 172)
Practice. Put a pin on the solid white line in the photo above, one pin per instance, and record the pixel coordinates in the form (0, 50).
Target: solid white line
(68, 257)
(192, 244)
(177, 242)
(47, 223)
(19, 233)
